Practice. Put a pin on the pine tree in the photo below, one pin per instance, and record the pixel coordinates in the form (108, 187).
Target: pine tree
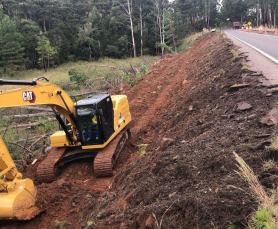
(11, 49)
(46, 51)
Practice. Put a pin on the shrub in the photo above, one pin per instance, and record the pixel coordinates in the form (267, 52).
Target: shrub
(77, 76)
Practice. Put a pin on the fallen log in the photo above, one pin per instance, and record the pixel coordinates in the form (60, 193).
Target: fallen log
(29, 115)
(29, 124)
(34, 137)
(35, 108)
(29, 148)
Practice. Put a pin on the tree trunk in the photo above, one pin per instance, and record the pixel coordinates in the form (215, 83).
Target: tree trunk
(90, 53)
(159, 21)
(274, 17)
(141, 27)
(269, 16)
(129, 7)
(43, 19)
(163, 27)
(208, 13)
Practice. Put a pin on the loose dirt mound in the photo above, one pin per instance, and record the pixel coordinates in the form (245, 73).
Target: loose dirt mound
(192, 184)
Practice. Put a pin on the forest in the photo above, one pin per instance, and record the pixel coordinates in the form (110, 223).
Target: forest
(46, 33)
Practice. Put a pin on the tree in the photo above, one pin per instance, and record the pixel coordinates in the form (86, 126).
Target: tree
(85, 40)
(11, 49)
(128, 9)
(29, 29)
(45, 50)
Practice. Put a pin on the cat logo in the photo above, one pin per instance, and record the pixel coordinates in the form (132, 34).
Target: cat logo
(29, 96)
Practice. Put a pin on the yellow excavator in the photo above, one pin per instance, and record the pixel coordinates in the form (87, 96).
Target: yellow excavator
(94, 127)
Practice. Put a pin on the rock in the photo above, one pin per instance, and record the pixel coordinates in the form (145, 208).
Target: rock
(47, 149)
(243, 106)
(150, 223)
(257, 74)
(272, 90)
(262, 136)
(165, 143)
(252, 116)
(172, 194)
(236, 86)
(61, 182)
(190, 108)
(271, 118)
(270, 182)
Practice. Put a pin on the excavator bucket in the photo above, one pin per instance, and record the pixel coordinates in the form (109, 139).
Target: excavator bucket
(17, 195)
(20, 203)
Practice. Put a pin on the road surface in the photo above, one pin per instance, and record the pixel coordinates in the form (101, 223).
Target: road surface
(258, 46)
(265, 43)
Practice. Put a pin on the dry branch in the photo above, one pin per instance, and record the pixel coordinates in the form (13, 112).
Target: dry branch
(19, 146)
(29, 115)
(43, 136)
(35, 108)
(35, 137)
(87, 93)
(30, 124)
(105, 66)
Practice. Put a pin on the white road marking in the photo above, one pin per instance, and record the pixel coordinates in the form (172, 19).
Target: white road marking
(258, 50)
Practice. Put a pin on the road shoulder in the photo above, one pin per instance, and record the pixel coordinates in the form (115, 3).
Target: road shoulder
(257, 62)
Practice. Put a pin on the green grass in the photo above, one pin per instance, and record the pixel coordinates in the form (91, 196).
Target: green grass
(98, 76)
(61, 225)
(267, 214)
(61, 72)
(263, 218)
(142, 149)
(188, 41)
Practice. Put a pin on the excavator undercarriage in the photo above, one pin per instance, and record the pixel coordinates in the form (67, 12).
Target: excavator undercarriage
(104, 162)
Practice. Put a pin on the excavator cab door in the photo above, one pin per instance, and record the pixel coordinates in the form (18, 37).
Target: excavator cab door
(105, 108)
(88, 125)
(95, 119)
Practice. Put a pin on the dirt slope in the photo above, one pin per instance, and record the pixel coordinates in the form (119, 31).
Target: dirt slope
(192, 184)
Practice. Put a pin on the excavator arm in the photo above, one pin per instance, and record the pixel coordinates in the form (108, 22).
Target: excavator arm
(38, 92)
(17, 195)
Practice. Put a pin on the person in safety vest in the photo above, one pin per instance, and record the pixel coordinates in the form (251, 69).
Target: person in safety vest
(93, 126)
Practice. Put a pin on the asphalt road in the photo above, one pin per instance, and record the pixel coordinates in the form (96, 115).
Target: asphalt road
(266, 43)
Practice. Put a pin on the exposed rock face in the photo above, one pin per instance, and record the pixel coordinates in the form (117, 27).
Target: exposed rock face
(271, 118)
(243, 106)
(165, 143)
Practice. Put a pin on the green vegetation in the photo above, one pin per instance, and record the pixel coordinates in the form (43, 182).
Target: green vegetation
(61, 225)
(274, 143)
(142, 149)
(244, 67)
(75, 78)
(47, 33)
(266, 215)
(188, 41)
(263, 218)
(235, 54)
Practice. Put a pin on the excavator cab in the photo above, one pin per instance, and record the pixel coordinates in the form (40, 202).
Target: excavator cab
(94, 116)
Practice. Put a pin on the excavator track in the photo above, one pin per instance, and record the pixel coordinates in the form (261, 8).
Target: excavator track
(107, 157)
(46, 171)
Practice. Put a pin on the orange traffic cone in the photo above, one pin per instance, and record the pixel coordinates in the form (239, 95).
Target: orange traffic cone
(265, 32)
(250, 29)
(260, 30)
(275, 33)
